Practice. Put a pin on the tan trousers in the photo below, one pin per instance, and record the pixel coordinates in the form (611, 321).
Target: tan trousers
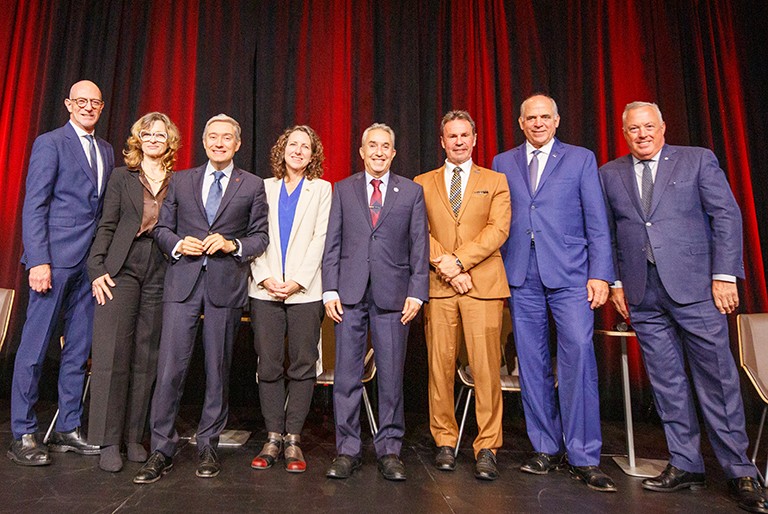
(480, 321)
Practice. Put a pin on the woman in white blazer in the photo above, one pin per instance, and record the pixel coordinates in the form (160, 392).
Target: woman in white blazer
(286, 292)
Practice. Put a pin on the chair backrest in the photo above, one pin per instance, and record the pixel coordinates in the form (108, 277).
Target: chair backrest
(6, 305)
(753, 350)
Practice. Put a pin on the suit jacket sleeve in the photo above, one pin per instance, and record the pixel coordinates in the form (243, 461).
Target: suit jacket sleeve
(495, 232)
(332, 251)
(601, 263)
(611, 226)
(724, 215)
(257, 235)
(41, 178)
(418, 286)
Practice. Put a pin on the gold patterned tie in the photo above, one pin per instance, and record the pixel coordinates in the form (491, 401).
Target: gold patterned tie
(455, 196)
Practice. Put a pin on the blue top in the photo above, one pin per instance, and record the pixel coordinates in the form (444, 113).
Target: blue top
(286, 211)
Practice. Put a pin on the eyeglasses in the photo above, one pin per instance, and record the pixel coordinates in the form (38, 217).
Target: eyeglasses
(82, 102)
(160, 137)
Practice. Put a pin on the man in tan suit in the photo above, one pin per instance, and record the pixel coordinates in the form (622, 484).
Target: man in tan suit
(469, 212)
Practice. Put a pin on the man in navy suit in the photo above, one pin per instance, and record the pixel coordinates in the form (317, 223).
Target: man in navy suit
(213, 223)
(68, 171)
(375, 276)
(677, 241)
(558, 255)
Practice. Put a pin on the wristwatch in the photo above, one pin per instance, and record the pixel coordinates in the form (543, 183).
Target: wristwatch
(237, 246)
(459, 264)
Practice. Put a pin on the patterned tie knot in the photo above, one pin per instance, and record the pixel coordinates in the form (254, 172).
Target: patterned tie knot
(376, 183)
(217, 176)
(536, 152)
(455, 193)
(90, 138)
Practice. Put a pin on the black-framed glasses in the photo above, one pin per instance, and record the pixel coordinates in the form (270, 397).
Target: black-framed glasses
(160, 137)
(82, 102)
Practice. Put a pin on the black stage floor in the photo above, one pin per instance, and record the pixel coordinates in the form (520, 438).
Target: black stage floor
(75, 484)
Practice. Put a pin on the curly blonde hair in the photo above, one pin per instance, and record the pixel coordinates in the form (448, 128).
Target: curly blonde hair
(277, 156)
(132, 152)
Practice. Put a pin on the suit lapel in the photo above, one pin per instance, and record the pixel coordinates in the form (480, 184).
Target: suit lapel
(235, 180)
(474, 178)
(104, 151)
(521, 159)
(136, 192)
(197, 189)
(393, 193)
(439, 185)
(306, 194)
(627, 174)
(554, 160)
(664, 171)
(73, 141)
(361, 193)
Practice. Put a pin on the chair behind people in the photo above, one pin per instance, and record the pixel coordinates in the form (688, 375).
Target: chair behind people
(85, 394)
(6, 305)
(329, 358)
(510, 373)
(753, 357)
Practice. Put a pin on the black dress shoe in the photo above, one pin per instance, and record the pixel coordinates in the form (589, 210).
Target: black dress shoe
(672, 479)
(208, 465)
(485, 467)
(153, 470)
(392, 468)
(28, 451)
(542, 463)
(594, 478)
(343, 466)
(445, 460)
(71, 442)
(748, 493)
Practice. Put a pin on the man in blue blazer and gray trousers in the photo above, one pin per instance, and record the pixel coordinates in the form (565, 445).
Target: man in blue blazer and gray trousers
(677, 241)
(68, 172)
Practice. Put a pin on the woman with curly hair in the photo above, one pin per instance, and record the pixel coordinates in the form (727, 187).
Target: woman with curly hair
(127, 270)
(286, 292)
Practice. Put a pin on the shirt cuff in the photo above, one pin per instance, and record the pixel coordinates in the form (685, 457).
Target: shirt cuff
(417, 300)
(330, 295)
(239, 252)
(617, 285)
(175, 253)
(723, 277)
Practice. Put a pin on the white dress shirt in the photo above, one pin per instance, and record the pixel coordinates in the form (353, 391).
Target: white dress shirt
(543, 157)
(465, 168)
(87, 149)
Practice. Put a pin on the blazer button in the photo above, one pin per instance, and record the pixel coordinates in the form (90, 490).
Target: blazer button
(533, 207)
(209, 232)
(648, 223)
(373, 238)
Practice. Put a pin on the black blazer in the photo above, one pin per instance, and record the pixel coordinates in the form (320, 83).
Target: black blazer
(120, 221)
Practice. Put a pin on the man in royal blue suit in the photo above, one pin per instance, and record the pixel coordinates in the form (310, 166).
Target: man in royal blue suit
(375, 275)
(678, 249)
(68, 171)
(558, 255)
(213, 223)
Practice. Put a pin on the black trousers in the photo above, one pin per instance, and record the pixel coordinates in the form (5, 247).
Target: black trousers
(272, 322)
(126, 337)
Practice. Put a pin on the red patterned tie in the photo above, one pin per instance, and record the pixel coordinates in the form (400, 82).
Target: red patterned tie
(375, 201)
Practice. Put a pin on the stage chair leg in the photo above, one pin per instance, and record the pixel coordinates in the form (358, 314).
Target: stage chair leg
(458, 400)
(56, 416)
(463, 419)
(763, 478)
(369, 411)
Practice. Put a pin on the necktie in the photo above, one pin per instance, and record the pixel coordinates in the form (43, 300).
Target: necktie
(92, 154)
(375, 201)
(214, 197)
(455, 196)
(533, 170)
(647, 198)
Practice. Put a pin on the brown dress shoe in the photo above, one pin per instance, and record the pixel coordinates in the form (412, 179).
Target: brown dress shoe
(294, 458)
(28, 451)
(269, 453)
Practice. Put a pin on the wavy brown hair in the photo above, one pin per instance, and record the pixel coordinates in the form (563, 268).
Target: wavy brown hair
(134, 155)
(277, 156)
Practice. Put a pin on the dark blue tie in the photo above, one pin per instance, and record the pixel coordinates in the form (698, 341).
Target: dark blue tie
(92, 152)
(214, 197)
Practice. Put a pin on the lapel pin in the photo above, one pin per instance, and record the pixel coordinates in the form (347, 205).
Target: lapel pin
(666, 158)
(396, 190)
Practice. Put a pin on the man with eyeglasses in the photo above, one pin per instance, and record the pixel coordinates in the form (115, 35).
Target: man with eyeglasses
(213, 223)
(68, 170)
